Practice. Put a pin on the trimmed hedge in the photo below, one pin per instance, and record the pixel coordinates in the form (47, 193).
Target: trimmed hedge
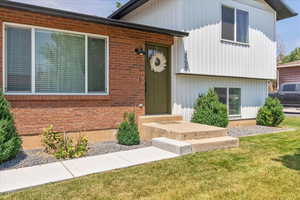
(271, 114)
(128, 133)
(210, 111)
(10, 142)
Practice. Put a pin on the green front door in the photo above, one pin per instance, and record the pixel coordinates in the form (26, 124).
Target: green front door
(158, 84)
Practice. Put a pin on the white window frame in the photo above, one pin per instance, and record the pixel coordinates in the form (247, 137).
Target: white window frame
(33, 92)
(235, 25)
(227, 100)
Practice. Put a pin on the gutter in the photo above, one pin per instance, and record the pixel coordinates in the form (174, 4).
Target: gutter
(88, 18)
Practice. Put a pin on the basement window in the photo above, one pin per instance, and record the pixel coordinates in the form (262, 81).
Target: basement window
(232, 98)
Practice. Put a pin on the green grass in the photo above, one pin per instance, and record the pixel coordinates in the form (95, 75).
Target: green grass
(264, 167)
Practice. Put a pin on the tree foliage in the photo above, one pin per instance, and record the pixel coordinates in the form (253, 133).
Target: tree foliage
(118, 4)
(271, 114)
(293, 56)
(210, 111)
(128, 133)
(10, 142)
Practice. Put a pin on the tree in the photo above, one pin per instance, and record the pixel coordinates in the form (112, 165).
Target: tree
(293, 56)
(210, 111)
(10, 142)
(280, 49)
(118, 4)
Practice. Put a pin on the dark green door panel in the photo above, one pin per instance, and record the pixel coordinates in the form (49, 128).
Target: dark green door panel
(158, 84)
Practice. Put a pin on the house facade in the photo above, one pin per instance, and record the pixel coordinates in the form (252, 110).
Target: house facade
(231, 48)
(81, 73)
(288, 73)
(73, 71)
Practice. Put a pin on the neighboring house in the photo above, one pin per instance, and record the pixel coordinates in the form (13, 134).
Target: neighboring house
(288, 73)
(81, 72)
(231, 48)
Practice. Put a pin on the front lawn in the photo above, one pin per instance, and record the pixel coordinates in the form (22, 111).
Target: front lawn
(264, 167)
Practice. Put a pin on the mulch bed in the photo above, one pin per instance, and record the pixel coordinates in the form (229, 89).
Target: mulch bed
(254, 130)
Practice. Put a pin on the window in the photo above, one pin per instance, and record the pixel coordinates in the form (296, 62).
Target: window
(222, 94)
(228, 23)
(242, 24)
(63, 62)
(18, 59)
(289, 88)
(235, 25)
(232, 98)
(234, 101)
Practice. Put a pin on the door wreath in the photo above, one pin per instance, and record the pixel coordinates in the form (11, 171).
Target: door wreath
(158, 62)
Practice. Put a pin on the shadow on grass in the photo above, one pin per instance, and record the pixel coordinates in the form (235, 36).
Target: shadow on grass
(291, 161)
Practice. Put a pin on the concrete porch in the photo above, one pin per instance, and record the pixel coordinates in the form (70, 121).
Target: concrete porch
(172, 127)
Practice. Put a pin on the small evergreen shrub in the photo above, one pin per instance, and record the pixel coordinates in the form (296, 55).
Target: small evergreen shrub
(271, 114)
(62, 146)
(210, 111)
(10, 142)
(128, 133)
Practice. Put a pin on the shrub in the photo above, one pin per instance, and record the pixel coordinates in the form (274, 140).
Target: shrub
(10, 142)
(62, 146)
(210, 111)
(271, 114)
(128, 133)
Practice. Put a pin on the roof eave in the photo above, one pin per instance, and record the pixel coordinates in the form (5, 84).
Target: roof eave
(282, 9)
(88, 18)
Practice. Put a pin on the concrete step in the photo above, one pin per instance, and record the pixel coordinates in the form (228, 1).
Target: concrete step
(173, 146)
(181, 130)
(155, 118)
(210, 144)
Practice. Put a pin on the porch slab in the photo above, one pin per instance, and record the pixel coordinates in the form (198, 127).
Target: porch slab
(181, 130)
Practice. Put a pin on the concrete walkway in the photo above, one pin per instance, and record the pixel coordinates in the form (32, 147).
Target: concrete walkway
(16, 179)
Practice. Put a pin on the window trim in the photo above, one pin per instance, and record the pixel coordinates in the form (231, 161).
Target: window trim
(33, 93)
(235, 26)
(227, 101)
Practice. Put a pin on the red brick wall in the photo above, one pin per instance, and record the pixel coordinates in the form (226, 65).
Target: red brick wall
(289, 74)
(76, 113)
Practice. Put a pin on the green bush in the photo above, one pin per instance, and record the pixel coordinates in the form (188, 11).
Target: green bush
(128, 133)
(10, 142)
(62, 146)
(210, 111)
(271, 114)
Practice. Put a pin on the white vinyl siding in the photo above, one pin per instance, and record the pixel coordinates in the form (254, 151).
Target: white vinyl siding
(203, 52)
(55, 61)
(222, 64)
(187, 88)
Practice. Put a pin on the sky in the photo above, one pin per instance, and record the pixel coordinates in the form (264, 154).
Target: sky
(288, 30)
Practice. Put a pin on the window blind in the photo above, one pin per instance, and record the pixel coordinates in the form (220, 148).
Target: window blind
(96, 65)
(60, 62)
(18, 59)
